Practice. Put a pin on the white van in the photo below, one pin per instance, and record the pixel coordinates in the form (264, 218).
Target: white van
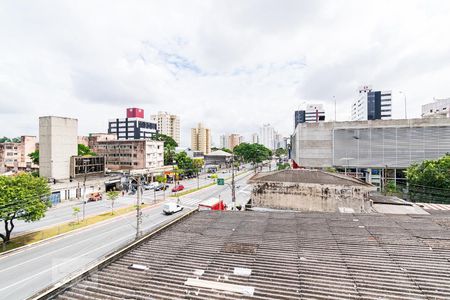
(171, 208)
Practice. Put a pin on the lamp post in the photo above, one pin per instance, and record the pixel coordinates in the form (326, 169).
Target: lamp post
(233, 189)
(85, 162)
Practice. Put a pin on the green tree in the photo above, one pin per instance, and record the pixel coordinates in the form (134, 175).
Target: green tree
(169, 147)
(184, 162)
(76, 213)
(430, 173)
(8, 140)
(283, 166)
(22, 197)
(227, 150)
(280, 152)
(84, 150)
(112, 196)
(34, 157)
(252, 153)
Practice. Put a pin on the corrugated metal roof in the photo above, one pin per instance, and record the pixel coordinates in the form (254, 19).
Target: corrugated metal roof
(290, 255)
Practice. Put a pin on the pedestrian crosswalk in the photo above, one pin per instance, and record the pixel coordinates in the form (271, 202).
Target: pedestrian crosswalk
(430, 206)
(189, 202)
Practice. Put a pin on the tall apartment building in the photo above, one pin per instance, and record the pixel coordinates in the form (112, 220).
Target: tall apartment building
(234, 140)
(439, 108)
(14, 155)
(168, 124)
(201, 139)
(267, 136)
(223, 141)
(132, 127)
(130, 154)
(57, 144)
(372, 105)
(255, 138)
(313, 113)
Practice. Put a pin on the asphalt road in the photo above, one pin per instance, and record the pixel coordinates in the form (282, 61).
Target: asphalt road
(25, 272)
(63, 212)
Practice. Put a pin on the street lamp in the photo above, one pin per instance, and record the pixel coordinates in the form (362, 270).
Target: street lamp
(85, 162)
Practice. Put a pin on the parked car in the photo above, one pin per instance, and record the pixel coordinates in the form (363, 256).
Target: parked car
(171, 208)
(95, 197)
(160, 187)
(178, 188)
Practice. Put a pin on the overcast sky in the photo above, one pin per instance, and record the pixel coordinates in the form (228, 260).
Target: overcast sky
(232, 65)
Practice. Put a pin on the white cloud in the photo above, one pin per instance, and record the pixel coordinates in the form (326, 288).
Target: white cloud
(230, 65)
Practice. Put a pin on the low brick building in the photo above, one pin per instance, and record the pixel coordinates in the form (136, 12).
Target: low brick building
(310, 190)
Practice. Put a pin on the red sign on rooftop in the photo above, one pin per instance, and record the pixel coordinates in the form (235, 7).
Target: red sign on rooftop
(135, 112)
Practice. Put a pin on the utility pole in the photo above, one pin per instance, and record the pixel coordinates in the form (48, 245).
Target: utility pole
(233, 190)
(138, 208)
(84, 188)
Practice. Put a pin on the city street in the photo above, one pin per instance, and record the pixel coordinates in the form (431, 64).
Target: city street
(63, 212)
(27, 271)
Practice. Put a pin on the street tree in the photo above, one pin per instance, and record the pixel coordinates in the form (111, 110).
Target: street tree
(252, 153)
(34, 157)
(76, 213)
(169, 147)
(184, 162)
(112, 196)
(22, 197)
(430, 173)
(280, 152)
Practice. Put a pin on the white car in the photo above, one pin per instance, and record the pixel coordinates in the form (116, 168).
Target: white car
(171, 208)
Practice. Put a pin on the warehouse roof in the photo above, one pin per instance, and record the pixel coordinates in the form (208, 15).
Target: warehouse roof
(282, 255)
(306, 176)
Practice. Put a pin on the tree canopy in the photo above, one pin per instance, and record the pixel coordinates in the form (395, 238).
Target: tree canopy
(430, 173)
(169, 147)
(23, 197)
(34, 157)
(184, 162)
(84, 150)
(168, 141)
(252, 153)
(9, 140)
(280, 152)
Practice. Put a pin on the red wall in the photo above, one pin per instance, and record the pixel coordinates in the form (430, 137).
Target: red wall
(135, 113)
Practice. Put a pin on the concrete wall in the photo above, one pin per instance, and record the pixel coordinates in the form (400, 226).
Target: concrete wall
(310, 197)
(366, 144)
(57, 144)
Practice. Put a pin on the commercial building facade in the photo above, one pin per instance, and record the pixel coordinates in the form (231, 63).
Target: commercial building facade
(133, 127)
(130, 154)
(168, 124)
(372, 105)
(87, 165)
(439, 108)
(201, 139)
(312, 113)
(57, 144)
(375, 150)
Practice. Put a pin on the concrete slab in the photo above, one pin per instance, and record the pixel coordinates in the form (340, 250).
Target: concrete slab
(399, 209)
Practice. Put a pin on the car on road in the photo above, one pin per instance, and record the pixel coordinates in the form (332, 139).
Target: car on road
(95, 197)
(150, 186)
(178, 188)
(160, 187)
(171, 208)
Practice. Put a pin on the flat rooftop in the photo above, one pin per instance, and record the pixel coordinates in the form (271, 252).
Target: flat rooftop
(306, 176)
(282, 255)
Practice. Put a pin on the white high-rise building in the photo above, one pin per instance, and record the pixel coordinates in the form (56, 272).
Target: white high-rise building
(372, 105)
(255, 138)
(223, 141)
(267, 136)
(439, 108)
(168, 124)
(201, 139)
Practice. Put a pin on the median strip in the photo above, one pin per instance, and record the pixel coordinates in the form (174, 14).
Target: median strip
(56, 230)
